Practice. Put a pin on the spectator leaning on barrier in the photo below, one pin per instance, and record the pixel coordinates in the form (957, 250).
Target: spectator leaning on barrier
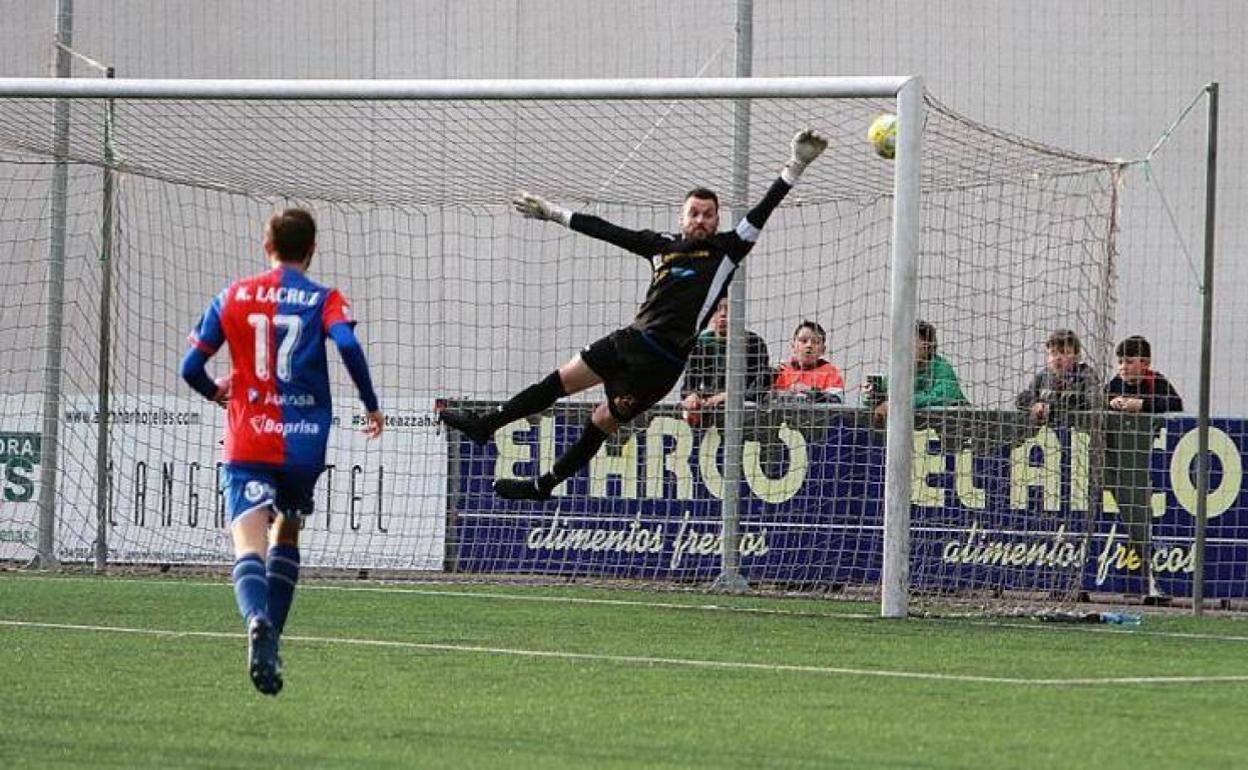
(1136, 387)
(807, 374)
(935, 381)
(705, 385)
(1066, 384)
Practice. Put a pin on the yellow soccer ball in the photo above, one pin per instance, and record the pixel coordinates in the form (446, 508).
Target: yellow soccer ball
(883, 135)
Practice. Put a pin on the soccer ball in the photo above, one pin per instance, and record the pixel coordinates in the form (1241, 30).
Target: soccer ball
(883, 135)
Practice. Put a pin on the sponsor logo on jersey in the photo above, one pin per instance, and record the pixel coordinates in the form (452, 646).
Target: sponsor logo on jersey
(265, 424)
(625, 406)
(255, 491)
(290, 399)
(659, 260)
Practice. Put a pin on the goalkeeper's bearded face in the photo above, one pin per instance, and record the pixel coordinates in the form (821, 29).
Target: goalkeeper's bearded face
(699, 218)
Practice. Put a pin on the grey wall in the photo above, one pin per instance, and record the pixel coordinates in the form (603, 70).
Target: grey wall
(1104, 79)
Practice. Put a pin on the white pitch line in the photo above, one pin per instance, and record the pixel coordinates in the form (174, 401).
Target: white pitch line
(1020, 624)
(407, 589)
(655, 661)
(703, 606)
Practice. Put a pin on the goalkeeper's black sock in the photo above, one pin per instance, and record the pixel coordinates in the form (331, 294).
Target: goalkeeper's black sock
(531, 400)
(520, 489)
(575, 457)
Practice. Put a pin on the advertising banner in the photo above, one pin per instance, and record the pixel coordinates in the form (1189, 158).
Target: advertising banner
(379, 504)
(996, 501)
(21, 452)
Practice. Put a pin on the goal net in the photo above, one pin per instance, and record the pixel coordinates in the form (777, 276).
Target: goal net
(461, 301)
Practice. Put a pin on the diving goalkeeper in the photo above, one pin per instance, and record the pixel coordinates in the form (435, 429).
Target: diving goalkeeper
(640, 363)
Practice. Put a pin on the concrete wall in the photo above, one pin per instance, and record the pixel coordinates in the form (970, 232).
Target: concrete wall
(1104, 80)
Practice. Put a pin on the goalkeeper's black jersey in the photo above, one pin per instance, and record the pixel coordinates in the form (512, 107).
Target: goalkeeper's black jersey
(689, 276)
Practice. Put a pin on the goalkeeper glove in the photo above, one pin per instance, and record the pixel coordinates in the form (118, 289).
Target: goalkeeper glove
(536, 207)
(807, 144)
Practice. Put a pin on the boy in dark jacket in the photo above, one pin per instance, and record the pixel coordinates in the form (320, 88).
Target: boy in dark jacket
(1136, 387)
(1066, 384)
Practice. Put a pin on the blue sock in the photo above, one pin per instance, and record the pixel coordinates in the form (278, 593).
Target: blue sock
(283, 576)
(251, 586)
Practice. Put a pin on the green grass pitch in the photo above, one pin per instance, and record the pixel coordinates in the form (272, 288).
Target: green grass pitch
(114, 672)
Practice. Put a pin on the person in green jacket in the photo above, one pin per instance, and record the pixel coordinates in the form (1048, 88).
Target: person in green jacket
(935, 382)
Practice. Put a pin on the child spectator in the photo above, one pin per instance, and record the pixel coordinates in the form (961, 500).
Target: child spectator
(706, 387)
(808, 374)
(935, 382)
(1066, 384)
(1136, 387)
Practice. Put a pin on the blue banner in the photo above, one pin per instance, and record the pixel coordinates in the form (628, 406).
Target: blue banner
(997, 503)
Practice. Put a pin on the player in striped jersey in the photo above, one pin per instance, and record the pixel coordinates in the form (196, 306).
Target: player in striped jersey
(279, 414)
(640, 363)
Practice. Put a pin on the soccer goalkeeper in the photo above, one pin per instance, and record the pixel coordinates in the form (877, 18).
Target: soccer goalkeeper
(640, 363)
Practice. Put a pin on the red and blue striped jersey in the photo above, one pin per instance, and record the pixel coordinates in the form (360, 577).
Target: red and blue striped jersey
(275, 324)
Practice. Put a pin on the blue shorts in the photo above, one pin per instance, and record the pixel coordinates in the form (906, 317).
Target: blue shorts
(287, 490)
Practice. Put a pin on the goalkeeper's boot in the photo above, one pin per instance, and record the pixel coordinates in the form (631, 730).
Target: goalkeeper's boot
(263, 664)
(521, 489)
(469, 424)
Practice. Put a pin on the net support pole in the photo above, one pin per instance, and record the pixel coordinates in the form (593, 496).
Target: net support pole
(54, 316)
(903, 291)
(102, 453)
(730, 578)
(1206, 352)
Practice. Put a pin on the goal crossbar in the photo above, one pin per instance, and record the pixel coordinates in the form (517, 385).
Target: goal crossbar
(575, 89)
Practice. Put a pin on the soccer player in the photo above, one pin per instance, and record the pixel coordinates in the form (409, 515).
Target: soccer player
(277, 394)
(640, 363)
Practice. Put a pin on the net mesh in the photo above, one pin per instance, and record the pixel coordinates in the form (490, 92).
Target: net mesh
(462, 299)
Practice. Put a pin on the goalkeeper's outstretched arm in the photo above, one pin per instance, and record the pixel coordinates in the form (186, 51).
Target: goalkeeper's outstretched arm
(642, 242)
(804, 148)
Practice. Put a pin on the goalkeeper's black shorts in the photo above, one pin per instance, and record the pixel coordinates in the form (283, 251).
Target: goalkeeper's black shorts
(636, 371)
